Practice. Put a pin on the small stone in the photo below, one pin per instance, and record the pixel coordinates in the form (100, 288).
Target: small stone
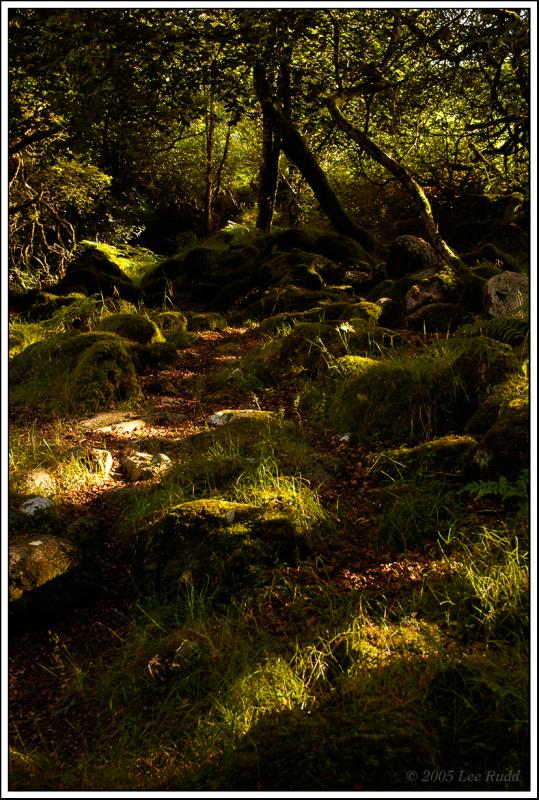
(36, 505)
(113, 422)
(143, 466)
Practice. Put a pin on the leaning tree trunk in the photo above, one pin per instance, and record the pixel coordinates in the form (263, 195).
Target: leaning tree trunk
(296, 150)
(400, 172)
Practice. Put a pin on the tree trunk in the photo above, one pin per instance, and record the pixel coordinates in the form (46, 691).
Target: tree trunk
(401, 173)
(297, 151)
(209, 189)
(269, 170)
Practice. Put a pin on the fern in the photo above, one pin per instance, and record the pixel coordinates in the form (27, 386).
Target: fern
(510, 329)
(505, 490)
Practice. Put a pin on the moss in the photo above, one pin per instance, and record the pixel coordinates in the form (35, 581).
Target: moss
(295, 298)
(104, 375)
(171, 322)
(31, 566)
(135, 262)
(445, 454)
(443, 317)
(73, 373)
(218, 543)
(346, 366)
(364, 310)
(505, 447)
(410, 254)
(206, 321)
(22, 335)
(414, 398)
(132, 326)
(45, 304)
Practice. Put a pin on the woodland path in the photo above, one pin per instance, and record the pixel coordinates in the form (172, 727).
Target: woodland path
(176, 405)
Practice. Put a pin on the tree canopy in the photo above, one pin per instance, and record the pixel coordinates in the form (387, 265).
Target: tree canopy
(116, 114)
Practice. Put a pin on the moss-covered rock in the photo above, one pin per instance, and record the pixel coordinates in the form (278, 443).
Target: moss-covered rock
(292, 298)
(73, 373)
(132, 326)
(218, 543)
(413, 398)
(444, 317)
(48, 576)
(291, 239)
(341, 248)
(206, 321)
(410, 254)
(171, 321)
(444, 455)
(505, 447)
(94, 272)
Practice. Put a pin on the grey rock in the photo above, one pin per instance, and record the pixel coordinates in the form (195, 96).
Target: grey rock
(143, 466)
(38, 481)
(505, 293)
(36, 505)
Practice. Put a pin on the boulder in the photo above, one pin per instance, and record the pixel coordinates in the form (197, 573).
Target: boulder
(92, 272)
(116, 422)
(443, 317)
(341, 248)
(144, 466)
(132, 326)
(410, 254)
(36, 506)
(48, 576)
(218, 543)
(506, 293)
(73, 373)
(505, 447)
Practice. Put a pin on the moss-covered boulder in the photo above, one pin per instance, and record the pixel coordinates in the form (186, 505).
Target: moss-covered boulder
(132, 326)
(445, 455)
(410, 254)
(291, 239)
(413, 398)
(48, 576)
(171, 322)
(505, 447)
(291, 298)
(443, 317)
(94, 272)
(73, 373)
(206, 321)
(218, 544)
(341, 248)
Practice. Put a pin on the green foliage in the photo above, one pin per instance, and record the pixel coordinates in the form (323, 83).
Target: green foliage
(511, 329)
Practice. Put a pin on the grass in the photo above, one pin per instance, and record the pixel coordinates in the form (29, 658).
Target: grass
(298, 680)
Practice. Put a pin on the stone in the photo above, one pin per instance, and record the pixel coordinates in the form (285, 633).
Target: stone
(226, 416)
(38, 481)
(113, 422)
(36, 505)
(410, 254)
(144, 466)
(48, 576)
(506, 293)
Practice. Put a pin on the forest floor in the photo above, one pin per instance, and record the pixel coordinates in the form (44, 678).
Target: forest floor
(45, 660)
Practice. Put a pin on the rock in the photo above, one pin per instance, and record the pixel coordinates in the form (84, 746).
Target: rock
(443, 317)
(290, 239)
(207, 321)
(227, 416)
(48, 575)
(94, 273)
(144, 466)
(171, 322)
(132, 326)
(87, 532)
(73, 373)
(220, 543)
(422, 294)
(340, 248)
(37, 481)
(410, 254)
(505, 447)
(391, 313)
(36, 505)
(505, 293)
(113, 422)
(95, 458)
(451, 454)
